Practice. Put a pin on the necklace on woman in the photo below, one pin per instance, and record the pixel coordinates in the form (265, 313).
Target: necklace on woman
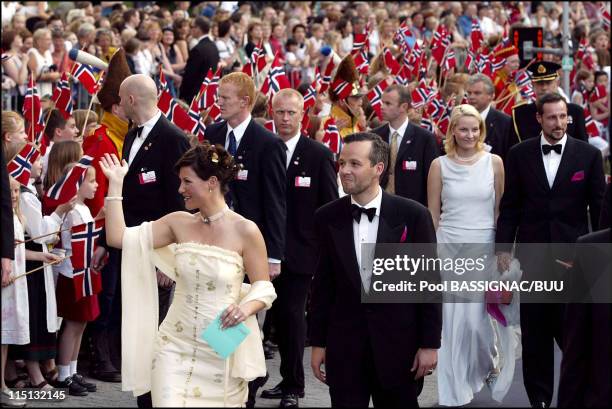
(468, 159)
(216, 216)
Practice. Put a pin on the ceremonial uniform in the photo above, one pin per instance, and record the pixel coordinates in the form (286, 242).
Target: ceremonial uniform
(524, 122)
(507, 93)
(344, 85)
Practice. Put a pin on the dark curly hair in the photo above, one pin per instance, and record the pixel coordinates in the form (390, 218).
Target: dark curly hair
(208, 160)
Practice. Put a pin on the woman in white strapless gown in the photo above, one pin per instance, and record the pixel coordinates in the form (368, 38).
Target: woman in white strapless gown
(208, 254)
(464, 190)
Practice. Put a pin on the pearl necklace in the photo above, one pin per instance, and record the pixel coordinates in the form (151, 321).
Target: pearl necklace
(216, 216)
(471, 158)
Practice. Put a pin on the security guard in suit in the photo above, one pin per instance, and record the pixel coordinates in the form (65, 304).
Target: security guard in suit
(545, 79)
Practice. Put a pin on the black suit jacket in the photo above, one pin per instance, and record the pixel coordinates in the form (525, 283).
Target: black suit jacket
(499, 126)
(348, 328)
(525, 125)
(586, 368)
(8, 235)
(262, 196)
(313, 164)
(201, 58)
(162, 148)
(533, 211)
(418, 145)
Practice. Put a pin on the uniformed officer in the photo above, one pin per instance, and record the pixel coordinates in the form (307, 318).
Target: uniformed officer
(545, 79)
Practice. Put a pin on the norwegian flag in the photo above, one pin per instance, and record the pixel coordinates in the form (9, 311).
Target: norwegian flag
(598, 92)
(400, 36)
(421, 96)
(589, 124)
(375, 97)
(362, 62)
(327, 76)
(64, 189)
(359, 42)
(85, 75)
(276, 79)
(203, 87)
(436, 108)
(269, 125)
(84, 242)
(215, 112)
(415, 60)
(605, 16)
(311, 96)
(332, 138)
(211, 91)
(476, 36)
(257, 61)
(450, 61)
(163, 84)
(194, 113)
(497, 65)
(176, 114)
(21, 165)
(341, 88)
(390, 62)
(426, 123)
(483, 64)
(62, 96)
(444, 121)
(32, 111)
(439, 44)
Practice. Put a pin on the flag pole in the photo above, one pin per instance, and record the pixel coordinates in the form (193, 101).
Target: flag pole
(91, 104)
(37, 269)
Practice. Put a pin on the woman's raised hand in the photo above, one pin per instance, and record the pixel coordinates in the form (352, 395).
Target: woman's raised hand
(114, 170)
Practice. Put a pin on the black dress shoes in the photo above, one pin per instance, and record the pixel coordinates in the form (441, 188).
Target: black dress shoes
(277, 393)
(289, 400)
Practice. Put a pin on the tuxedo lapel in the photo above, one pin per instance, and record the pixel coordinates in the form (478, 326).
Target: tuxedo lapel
(342, 237)
(567, 163)
(537, 164)
(388, 231)
(127, 145)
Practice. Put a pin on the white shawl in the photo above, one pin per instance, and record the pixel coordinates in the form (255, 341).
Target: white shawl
(140, 311)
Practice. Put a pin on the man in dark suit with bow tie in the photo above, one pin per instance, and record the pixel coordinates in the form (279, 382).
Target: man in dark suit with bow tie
(376, 350)
(259, 191)
(412, 148)
(481, 92)
(202, 57)
(553, 182)
(150, 187)
(311, 183)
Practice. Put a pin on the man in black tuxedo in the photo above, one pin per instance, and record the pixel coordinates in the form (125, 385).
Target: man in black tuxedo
(150, 188)
(259, 191)
(8, 235)
(378, 350)
(311, 183)
(203, 56)
(545, 79)
(481, 92)
(412, 148)
(586, 368)
(553, 182)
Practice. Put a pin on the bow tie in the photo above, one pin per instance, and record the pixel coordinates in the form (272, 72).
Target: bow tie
(547, 148)
(139, 131)
(357, 211)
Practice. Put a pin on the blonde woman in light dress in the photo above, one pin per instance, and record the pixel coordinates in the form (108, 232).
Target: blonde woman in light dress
(464, 189)
(213, 250)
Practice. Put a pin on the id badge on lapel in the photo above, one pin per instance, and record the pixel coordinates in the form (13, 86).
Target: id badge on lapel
(145, 177)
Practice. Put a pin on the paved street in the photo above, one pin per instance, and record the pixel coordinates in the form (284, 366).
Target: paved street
(110, 395)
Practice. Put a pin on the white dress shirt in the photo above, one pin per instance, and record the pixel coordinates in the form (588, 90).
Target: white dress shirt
(238, 132)
(291, 144)
(138, 141)
(485, 112)
(552, 160)
(400, 131)
(366, 231)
